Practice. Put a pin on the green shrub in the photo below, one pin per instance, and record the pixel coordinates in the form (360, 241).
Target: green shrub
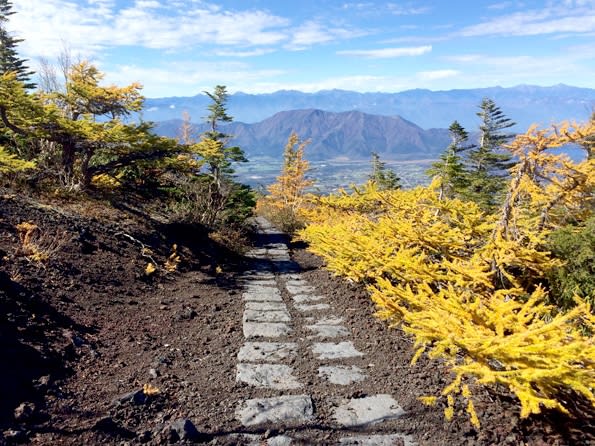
(575, 245)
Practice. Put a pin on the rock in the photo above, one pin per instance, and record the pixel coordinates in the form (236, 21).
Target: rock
(136, 397)
(15, 436)
(109, 426)
(153, 373)
(186, 314)
(145, 437)
(184, 429)
(24, 412)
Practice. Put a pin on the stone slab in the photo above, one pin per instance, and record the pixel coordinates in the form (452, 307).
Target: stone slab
(297, 282)
(266, 316)
(302, 289)
(265, 306)
(303, 298)
(312, 307)
(262, 296)
(268, 376)
(341, 375)
(267, 351)
(330, 350)
(280, 411)
(260, 282)
(263, 287)
(378, 440)
(327, 331)
(329, 320)
(367, 411)
(256, 440)
(265, 329)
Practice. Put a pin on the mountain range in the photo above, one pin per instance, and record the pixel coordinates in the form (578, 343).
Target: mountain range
(524, 104)
(351, 135)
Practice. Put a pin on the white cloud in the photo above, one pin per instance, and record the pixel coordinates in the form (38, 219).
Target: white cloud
(388, 53)
(98, 24)
(190, 77)
(575, 18)
(437, 74)
(313, 33)
(248, 53)
(409, 9)
(501, 5)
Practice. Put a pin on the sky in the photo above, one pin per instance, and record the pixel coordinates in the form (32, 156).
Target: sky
(183, 47)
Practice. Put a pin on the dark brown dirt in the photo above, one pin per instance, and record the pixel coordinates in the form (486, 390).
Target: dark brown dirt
(82, 332)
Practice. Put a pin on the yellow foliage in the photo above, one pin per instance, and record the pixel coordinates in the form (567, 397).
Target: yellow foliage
(36, 245)
(150, 269)
(11, 163)
(150, 390)
(104, 181)
(286, 197)
(466, 284)
(428, 400)
(172, 262)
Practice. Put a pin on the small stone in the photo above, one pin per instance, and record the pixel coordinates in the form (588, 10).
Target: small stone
(153, 373)
(14, 436)
(24, 412)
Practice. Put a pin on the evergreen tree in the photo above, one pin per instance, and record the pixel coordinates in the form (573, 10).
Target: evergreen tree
(384, 177)
(451, 168)
(218, 158)
(488, 164)
(9, 58)
(213, 146)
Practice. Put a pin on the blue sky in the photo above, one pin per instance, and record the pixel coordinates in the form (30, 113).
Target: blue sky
(182, 47)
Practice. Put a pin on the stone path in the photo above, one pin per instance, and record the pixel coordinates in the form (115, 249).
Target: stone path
(273, 291)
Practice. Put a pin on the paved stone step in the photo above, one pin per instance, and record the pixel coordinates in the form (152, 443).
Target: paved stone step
(327, 331)
(331, 350)
(377, 440)
(268, 376)
(266, 316)
(312, 307)
(342, 374)
(282, 411)
(265, 329)
(302, 289)
(304, 298)
(265, 306)
(267, 351)
(359, 412)
(262, 296)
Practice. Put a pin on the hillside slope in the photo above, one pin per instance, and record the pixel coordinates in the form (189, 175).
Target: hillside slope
(352, 135)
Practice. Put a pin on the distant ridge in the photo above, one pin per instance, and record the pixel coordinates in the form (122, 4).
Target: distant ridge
(349, 135)
(524, 104)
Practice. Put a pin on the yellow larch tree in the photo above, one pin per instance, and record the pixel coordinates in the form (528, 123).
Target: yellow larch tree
(286, 196)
